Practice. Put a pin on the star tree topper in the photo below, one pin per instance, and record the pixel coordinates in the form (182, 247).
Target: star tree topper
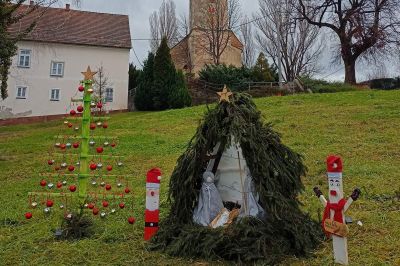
(88, 74)
(224, 95)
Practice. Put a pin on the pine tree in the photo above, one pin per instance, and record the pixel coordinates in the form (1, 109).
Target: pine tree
(179, 97)
(134, 75)
(144, 91)
(164, 76)
(262, 71)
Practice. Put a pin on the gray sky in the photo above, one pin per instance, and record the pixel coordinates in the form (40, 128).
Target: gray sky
(140, 10)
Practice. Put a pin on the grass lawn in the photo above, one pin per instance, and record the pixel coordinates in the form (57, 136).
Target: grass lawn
(362, 127)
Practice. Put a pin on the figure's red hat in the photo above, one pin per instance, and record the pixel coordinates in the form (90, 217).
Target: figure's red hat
(153, 176)
(334, 164)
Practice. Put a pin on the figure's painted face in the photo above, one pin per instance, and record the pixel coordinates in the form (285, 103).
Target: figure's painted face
(152, 199)
(335, 188)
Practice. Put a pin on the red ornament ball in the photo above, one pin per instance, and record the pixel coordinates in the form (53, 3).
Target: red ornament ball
(99, 105)
(71, 168)
(63, 146)
(49, 203)
(43, 183)
(50, 162)
(70, 125)
(93, 166)
(109, 168)
(72, 112)
(72, 188)
(57, 168)
(127, 190)
(59, 185)
(113, 144)
(105, 125)
(91, 206)
(80, 108)
(28, 215)
(99, 149)
(122, 205)
(108, 187)
(81, 88)
(76, 145)
(105, 204)
(95, 211)
(92, 126)
(131, 220)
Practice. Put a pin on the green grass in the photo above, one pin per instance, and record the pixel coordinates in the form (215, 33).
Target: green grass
(362, 127)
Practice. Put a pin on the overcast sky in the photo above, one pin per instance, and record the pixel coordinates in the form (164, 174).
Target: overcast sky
(140, 10)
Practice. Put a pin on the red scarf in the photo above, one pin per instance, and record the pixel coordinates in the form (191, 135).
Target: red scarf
(338, 208)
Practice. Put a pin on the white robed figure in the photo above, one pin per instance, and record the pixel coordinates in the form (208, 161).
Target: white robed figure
(210, 202)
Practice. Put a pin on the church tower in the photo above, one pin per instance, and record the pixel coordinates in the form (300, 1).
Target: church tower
(199, 10)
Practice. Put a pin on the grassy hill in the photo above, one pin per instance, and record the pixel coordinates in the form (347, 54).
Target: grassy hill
(362, 127)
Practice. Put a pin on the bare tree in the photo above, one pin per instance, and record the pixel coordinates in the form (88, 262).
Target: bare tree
(378, 72)
(100, 84)
(216, 29)
(183, 32)
(247, 39)
(364, 28)
(164, 24)
(283, 37)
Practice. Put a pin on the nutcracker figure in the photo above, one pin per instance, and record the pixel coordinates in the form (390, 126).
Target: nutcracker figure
(333, 221)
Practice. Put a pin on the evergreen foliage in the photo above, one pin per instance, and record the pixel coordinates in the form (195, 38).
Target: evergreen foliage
(164, 76)
(262, 71)
(276, 172)
(160, 85)
(179, 97)
(144, 91)
(134, 75)
(238, 78)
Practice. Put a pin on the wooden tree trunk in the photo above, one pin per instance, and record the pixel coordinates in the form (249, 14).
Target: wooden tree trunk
(350, 72)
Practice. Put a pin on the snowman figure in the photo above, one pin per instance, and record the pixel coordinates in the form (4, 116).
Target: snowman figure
(152, 212)
(210, 202)
(333, 221)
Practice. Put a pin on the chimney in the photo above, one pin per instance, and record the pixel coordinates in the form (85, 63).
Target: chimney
(67, 7)
(31, 3)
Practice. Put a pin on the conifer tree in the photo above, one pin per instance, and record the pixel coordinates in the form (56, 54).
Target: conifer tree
(144, 92)
(164, 76)
(262, 71)
(179, 97)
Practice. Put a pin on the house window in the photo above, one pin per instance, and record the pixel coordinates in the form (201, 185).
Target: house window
(109, 95)
(21, 92)
(54, 94)
(57, 69)
(24, 58)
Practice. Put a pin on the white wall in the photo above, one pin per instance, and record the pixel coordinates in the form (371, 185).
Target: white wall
(115, 62)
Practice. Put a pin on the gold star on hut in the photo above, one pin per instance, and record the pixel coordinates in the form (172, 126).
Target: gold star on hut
(224, 95)
(88, 74)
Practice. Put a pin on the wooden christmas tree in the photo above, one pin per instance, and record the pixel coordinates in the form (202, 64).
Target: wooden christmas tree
(85, 175)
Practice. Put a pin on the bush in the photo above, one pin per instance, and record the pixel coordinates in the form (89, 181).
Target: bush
(385, 83)
(323, 86)
(238, 78)
(179, 97)
(235, 78)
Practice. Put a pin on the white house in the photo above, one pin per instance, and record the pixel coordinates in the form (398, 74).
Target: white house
(46, 71)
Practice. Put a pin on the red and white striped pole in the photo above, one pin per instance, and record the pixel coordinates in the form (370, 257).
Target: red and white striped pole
(152, 213)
